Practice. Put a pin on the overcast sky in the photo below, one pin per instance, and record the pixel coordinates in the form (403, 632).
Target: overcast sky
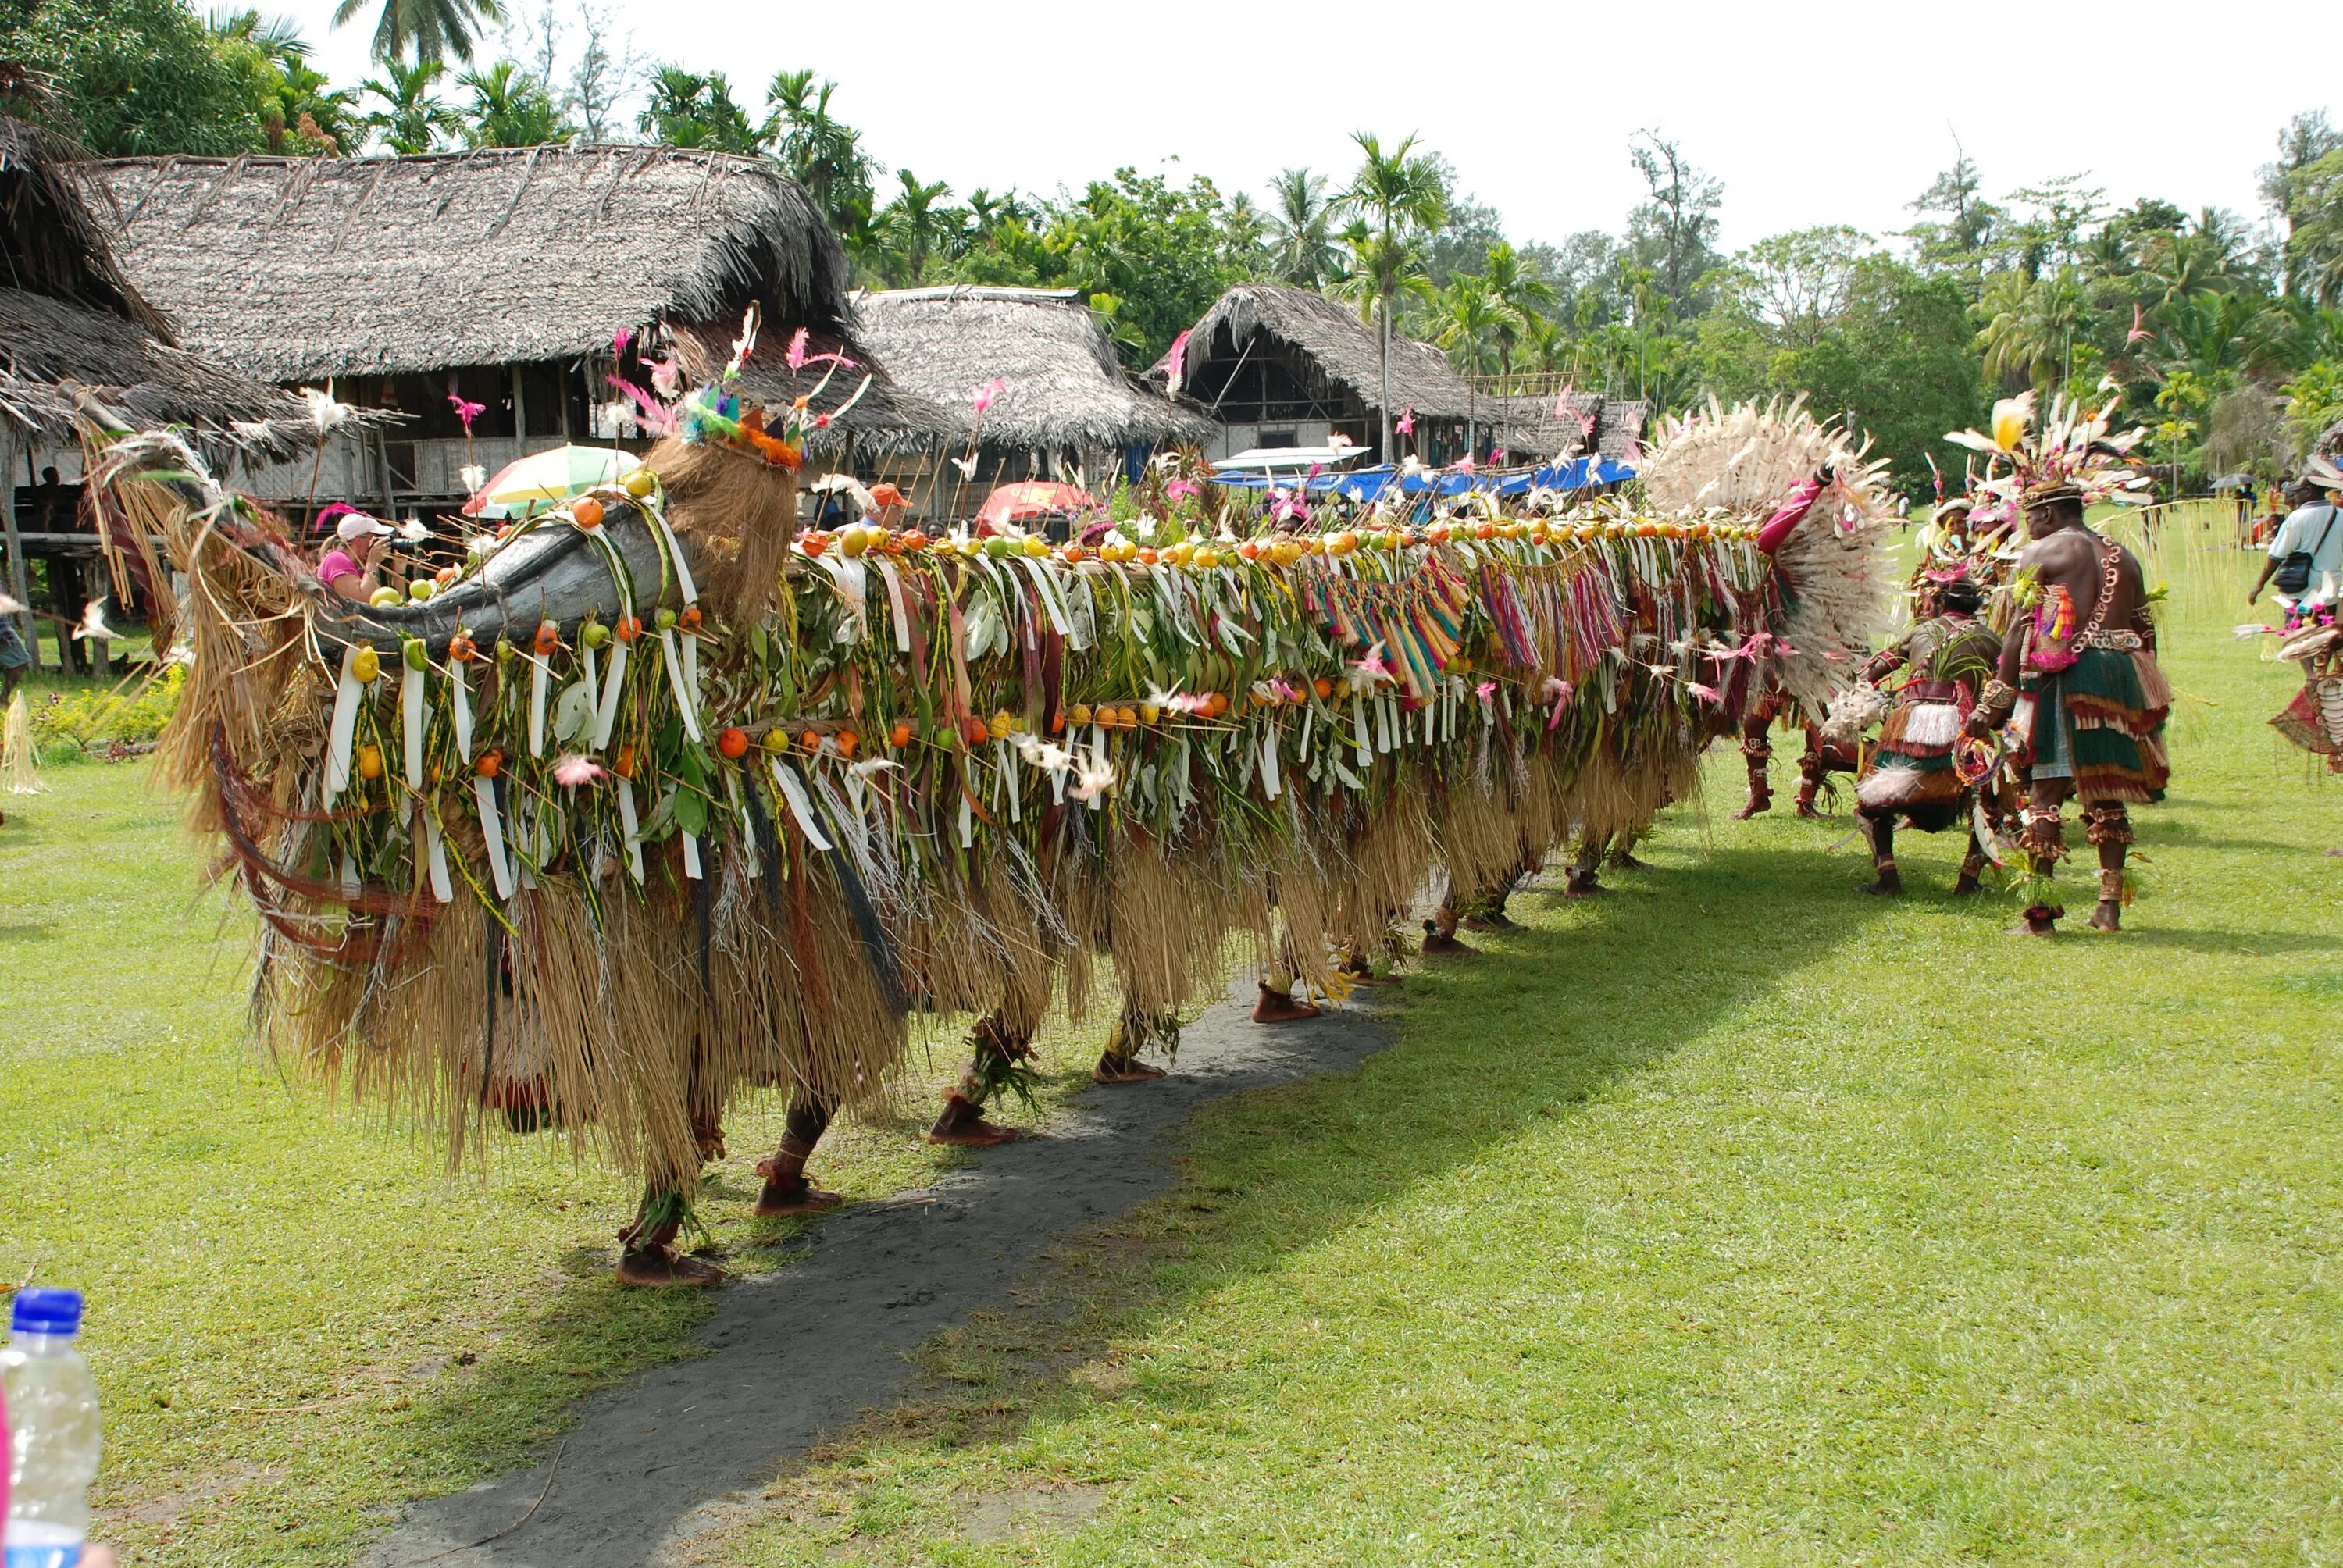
(1823, 112)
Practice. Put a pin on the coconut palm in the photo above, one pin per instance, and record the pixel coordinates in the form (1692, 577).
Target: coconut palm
(1524, 295)
(1396, 199)
(2030, 324)
(688, 110)
(430, 29)
(1302, 230)
(412, 117)
(1245, 234)
(1466, 318)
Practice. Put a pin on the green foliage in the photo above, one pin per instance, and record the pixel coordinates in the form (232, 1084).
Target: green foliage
(69, 724)
(412, 118)
(692, 109)
(426, 30)
(509, 108)
(141, 77)
(2317, 394)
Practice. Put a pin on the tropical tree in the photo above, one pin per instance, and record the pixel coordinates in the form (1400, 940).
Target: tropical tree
(822, 152)
(1524, 295)
(1302, 230)
(411, 117)
(913, 223)
(300, 110)
(430, 30)
(510, 109)
(1467, 317)
(1396, 199)
(131, 77)
(1246, 232)
(1674, 232)
(2030, 324)
(689, 109)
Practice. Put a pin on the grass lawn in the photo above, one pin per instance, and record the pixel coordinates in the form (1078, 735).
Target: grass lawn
(1733, 1218)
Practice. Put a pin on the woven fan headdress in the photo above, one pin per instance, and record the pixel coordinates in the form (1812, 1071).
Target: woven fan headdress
(2073, 454)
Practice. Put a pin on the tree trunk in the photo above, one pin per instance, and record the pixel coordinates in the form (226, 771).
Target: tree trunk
(1389, 456)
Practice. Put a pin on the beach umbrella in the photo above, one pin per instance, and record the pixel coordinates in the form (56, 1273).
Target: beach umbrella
(1031, 498)
(543, 480)
(2232, 481)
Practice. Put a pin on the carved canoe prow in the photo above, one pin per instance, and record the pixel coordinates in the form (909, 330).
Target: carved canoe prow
(554, 571)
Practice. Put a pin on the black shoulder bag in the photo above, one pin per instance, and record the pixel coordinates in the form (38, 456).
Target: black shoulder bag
(2293, 573)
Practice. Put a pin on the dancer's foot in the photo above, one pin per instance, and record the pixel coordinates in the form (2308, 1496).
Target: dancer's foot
(2108, 916)
(1113, 1068)
(1806, 809)
(1890, 884)
(791, 1195)
(963, 1125)
(1278, 1007)
(1499, 922)
(1582, 885)
(663, 1268)
(2037, 922)
(1968, 884)
(1359, 972)
(1753, 806)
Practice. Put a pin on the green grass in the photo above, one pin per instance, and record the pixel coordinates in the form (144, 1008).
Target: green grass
(1734, 1217)
(298, 1318)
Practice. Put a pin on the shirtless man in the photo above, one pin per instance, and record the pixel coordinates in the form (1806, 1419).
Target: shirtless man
(2077, 681)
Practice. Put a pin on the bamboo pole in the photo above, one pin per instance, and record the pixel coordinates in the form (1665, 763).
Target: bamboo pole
(19, 580)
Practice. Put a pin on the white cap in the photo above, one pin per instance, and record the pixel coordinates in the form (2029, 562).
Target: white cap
(356, 526)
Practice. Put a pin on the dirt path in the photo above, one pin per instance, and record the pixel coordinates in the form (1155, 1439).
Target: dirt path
(800, 1352)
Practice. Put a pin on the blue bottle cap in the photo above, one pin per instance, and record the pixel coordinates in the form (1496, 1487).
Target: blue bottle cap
(40, 1311)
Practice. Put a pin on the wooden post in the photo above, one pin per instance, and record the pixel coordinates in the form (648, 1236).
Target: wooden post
(20, 582)
(520, 407)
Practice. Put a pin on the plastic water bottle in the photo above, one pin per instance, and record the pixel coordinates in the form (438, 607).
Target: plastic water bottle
(52, 1403)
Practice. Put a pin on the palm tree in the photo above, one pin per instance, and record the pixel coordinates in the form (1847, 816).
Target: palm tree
(686, 109)
(2030, 325)
(1467, 317)
(912, 222)
(822, 152)
(412, 117)
(1302, 230)
(1244, 233)
(510, 109)
(1524, 296)
(432, 29)
(1396, 197)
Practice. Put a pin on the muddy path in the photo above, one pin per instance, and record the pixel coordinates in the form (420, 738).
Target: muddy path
(796, 1355)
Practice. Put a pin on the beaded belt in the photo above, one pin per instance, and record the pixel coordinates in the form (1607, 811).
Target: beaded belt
(2118, 641)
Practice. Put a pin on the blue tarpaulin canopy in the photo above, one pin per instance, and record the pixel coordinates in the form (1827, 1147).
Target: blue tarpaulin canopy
(1372, 484)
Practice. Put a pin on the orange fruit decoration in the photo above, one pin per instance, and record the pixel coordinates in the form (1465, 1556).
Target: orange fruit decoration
(847, 741)
(900, 735)
(588, 512)
(732, 744)
(492, 763)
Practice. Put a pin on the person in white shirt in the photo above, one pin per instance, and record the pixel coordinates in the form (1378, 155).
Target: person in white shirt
(2316, 530)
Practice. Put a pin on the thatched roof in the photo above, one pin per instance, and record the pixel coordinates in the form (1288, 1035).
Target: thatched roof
(295, 269)
(1531, 424)
(1062, 385)
(1331, 334)
(885, 419)
(73, 327)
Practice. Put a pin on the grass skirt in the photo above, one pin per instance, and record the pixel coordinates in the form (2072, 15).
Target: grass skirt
(2100, 722)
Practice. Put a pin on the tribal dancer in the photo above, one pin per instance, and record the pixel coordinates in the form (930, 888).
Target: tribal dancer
(2077, 681)
(1912, 775)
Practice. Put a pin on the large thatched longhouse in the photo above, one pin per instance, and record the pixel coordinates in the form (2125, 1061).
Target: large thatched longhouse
(518, 279)
(81, 347)
(1284, 367)
(1065, 409)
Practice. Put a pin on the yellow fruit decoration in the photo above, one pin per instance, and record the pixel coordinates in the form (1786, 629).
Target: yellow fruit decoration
(365, 665)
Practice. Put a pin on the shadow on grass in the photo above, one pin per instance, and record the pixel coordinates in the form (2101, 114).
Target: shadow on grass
(1536, 1022)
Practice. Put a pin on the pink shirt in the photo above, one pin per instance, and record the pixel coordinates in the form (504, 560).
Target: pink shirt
(333, 566)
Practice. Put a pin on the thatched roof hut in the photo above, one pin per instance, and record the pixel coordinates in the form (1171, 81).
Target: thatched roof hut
(298, 269)
(1536, 425)
(1063, 388)
(80, 346)
(1282, 366)
(74, 328)
(515, 278)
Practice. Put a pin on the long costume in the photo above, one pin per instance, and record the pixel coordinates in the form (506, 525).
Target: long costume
(660, 798)
(1910, 773)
